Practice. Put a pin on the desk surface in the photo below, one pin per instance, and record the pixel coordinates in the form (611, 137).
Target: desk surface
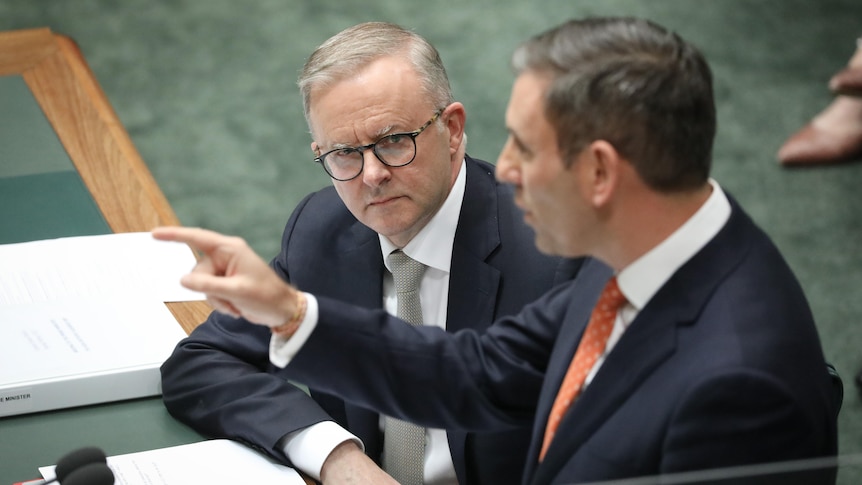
(33, 440)
(70, 169)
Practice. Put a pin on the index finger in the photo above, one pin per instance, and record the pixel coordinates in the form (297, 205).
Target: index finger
(201, 239)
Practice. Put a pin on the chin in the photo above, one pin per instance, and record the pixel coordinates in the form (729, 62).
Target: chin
(384, 221)
(544, 247)
(553, 247)
(391, 229)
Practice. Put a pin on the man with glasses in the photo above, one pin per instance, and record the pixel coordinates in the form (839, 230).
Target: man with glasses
(387, 131)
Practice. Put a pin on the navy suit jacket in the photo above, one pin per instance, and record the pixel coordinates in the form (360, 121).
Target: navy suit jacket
(722, 367)
(220, 382)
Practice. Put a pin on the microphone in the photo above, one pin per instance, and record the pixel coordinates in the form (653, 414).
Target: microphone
(75, 460)
(90, 474)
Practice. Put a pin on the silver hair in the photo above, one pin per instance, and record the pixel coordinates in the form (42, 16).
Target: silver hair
(348, 52)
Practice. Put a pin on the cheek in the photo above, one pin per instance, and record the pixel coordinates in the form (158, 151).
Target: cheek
(535, 181)
(349, 194)
(428, 178)
(546, 190)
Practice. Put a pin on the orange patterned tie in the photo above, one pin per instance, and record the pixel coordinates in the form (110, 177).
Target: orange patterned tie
(591, 347)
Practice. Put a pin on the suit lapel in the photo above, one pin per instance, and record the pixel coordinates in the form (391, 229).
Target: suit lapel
(649, 341)
(473, 283)
(360, 268)
(584, 294)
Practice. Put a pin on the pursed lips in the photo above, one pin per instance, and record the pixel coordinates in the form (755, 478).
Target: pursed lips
(383, 201)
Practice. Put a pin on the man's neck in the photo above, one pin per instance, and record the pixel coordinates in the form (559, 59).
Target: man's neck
(649, 220)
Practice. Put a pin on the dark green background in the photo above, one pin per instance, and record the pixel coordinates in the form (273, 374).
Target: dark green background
(207, 92)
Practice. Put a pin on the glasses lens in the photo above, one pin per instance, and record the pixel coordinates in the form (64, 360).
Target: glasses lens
(396, 150)
(343, 164)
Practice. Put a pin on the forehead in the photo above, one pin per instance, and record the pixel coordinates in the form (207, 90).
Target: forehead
(525, 114)
(528, 95)
(386, 93)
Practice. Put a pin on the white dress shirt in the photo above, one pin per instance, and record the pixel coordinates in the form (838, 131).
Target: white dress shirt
(432, 246)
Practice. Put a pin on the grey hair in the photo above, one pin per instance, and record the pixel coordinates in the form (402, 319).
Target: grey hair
(349, 51)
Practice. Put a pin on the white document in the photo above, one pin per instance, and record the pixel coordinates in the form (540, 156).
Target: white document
(83, 319)
(214, 462)
(69, 353)
(95, 267)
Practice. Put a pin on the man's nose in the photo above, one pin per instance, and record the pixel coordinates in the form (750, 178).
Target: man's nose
(374, 171)
(506, 168)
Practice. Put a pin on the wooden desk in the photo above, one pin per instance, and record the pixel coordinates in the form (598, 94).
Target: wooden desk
(129, 200)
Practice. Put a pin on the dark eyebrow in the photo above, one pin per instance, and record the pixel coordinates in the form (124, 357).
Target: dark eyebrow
(518, 143)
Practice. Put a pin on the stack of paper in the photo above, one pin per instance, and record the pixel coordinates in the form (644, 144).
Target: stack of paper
(83, 320)
(214, 462)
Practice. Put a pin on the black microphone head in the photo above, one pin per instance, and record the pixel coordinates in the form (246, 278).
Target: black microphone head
(90, 474)
(78, 458)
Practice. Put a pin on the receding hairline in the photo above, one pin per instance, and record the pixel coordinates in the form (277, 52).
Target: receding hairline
(339, 72)
(347, 53)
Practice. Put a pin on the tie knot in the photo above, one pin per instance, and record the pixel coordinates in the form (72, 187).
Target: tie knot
(611, 298)
(406, 271)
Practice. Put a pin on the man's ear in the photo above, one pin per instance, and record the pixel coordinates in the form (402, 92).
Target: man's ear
(603, 171)
(455, 117)
(315, 149)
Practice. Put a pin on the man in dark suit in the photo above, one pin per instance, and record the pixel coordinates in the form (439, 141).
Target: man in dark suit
(441, 207)
(701, 351)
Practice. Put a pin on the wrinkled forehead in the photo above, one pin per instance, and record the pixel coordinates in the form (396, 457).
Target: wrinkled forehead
(384, 96)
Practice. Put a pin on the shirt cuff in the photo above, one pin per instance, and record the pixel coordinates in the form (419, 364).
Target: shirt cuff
(309, 448)
(283, 349)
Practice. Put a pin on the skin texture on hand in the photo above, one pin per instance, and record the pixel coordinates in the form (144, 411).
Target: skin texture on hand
(234, 278)
(348, 465)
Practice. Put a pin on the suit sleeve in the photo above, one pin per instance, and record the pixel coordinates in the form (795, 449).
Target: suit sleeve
(466, 380)
(220, 382)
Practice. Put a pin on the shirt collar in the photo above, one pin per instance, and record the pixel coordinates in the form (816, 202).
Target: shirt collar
(640, 280)
(432, 246)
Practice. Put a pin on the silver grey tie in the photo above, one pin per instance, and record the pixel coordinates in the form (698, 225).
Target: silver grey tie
(403, 442)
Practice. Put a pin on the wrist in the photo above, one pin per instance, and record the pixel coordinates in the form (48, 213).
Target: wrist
(289, 327)
(343, 459)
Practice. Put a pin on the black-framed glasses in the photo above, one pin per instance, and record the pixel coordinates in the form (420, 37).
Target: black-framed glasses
(394, 150)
